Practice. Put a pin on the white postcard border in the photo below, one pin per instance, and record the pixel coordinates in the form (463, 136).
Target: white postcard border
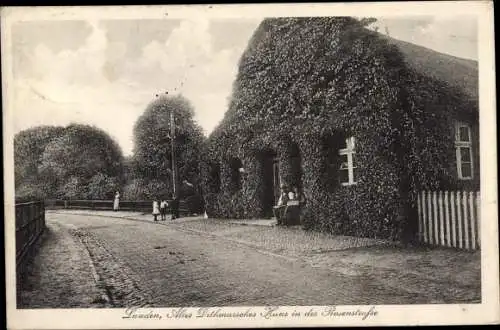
(486, 312)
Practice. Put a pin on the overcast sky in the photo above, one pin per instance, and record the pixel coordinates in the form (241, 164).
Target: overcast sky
(105, 73)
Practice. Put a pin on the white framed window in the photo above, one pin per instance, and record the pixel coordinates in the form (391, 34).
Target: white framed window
(463, 146)
(347, 170)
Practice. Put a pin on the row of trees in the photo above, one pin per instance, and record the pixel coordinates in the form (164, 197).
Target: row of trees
(77, 161)
(84, 162)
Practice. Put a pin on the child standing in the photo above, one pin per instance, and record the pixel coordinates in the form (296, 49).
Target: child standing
(156, 210)
(163, 210)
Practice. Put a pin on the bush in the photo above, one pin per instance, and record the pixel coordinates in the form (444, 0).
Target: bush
(29, 192)
(29, 146)
(140, 189)
(102, 186)
(77, 161)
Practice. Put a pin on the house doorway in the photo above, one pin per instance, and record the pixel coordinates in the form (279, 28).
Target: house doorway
(270, 183)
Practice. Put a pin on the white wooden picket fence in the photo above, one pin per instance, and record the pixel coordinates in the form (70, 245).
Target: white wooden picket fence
(449, 219)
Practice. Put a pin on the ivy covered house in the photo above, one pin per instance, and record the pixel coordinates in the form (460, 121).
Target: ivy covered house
(360, 122)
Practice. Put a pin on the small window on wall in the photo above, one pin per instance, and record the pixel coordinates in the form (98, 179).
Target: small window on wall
(463, 146)
(347, 170)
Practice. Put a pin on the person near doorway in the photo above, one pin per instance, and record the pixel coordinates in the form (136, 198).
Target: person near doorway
(163, 209)
(280, 208)
(295, 194)
(292, 212)
(156, 210)
(116, 203)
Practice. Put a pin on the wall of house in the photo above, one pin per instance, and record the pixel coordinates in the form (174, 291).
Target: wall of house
(367, 209)
(357, 85)
(436, 107)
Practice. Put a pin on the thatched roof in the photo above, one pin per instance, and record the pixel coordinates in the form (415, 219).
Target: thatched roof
(322, 72)
(458, 72)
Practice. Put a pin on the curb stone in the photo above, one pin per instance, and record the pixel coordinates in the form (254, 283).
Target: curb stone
(97, 279)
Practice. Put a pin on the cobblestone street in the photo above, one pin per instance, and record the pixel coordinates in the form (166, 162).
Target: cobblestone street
(212, 263)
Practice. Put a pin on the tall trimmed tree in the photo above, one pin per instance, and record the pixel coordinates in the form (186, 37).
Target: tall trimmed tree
(152, 160)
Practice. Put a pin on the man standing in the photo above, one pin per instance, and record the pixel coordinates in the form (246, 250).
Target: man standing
(163, 209)
(175, 207)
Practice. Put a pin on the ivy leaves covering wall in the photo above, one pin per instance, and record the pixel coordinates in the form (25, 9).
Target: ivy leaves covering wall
(77, 161)
(303, 80)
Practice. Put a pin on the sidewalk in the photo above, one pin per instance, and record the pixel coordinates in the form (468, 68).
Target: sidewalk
(258, 222)
(46, 284)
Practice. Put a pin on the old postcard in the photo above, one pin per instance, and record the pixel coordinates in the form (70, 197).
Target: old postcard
(250, 165)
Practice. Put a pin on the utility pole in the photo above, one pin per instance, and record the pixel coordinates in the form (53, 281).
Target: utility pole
(172, 135)
(172, 138)
(172, 149)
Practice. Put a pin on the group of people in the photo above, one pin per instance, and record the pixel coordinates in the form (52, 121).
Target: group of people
(287, 198)
(160, 207)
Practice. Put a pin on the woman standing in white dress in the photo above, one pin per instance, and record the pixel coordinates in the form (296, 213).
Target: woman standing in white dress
(116, 203)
